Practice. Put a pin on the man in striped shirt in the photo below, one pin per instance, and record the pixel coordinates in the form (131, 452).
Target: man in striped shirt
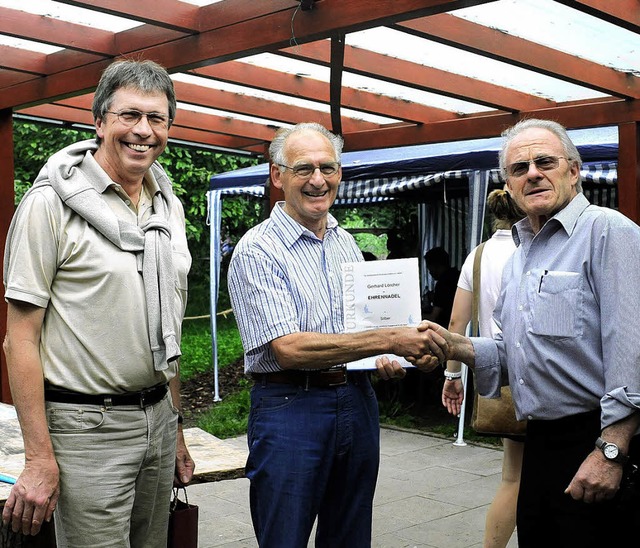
(313, 428)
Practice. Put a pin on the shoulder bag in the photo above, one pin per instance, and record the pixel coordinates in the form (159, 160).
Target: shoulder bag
(495, 416)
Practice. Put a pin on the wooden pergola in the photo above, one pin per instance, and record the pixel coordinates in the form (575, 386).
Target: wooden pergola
(207, 44)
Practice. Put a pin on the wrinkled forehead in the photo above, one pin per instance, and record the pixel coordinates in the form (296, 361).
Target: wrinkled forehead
(533, 143)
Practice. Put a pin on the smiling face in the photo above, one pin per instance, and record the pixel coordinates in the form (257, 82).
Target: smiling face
(308, 200)
(541, 193)
(126, 153)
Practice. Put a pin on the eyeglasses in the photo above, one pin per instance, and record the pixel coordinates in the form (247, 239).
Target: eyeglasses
(305, 171)
(543, 163)
(131, 118)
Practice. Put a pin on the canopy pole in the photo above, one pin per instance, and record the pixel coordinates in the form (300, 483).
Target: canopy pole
(215, 219)
(478, 186)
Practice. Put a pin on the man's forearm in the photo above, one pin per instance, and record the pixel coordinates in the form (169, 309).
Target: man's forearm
(622, 431)
(461, 349)
(27, 390)
(322, 350)
(26, 378)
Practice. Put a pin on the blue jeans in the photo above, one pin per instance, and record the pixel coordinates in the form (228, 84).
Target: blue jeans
(313, 453)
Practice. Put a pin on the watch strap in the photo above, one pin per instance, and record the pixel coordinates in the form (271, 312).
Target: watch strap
(619, 458)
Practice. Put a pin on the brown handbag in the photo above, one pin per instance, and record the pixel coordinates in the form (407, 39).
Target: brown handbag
(183, 522)
(495, 416)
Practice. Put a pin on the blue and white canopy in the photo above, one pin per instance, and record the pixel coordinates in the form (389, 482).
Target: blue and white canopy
(374, 176)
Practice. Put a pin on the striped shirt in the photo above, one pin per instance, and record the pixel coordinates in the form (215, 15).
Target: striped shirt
(283, 279)
(569, 317)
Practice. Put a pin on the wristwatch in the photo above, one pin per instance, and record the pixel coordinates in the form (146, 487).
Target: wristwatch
(611, 451)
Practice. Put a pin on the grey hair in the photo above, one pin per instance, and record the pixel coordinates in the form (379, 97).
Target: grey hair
(145, 76)
(276, 148)
(570, 150)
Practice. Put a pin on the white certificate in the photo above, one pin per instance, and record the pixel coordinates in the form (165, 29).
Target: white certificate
(380, 294)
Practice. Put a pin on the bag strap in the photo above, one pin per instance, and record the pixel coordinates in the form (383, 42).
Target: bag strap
(475, 308)
(176, 497)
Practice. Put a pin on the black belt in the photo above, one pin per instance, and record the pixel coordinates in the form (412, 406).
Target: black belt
(144, 398)
(324, 378)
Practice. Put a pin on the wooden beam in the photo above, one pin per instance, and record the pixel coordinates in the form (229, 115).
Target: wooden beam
(7, 198)
(624, 13)
(497, 44)
(53, 31)
(255, 106)
(295, 85)
(629, 170)
(335, 82)
(604, 113)
(169, 14)
(10, 78)
(21, 60)
(35, 64)
(236, 41)
(421, 77)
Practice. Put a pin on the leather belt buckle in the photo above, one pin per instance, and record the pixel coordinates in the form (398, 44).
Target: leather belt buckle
(150, 396)
(340, 374)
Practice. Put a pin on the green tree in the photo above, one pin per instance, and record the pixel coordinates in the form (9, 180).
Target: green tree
(32, 145)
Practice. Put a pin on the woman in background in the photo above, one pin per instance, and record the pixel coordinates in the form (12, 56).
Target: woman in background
(501, 516)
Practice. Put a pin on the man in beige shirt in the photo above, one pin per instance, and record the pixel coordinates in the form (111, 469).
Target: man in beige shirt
(95, 275)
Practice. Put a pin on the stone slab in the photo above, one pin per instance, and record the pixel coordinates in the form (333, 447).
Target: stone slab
(215, 459)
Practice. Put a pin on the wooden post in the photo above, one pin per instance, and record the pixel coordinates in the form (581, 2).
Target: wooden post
(629, 170)
(7, 197)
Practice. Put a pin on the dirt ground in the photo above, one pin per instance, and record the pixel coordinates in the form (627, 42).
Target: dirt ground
(197, 392)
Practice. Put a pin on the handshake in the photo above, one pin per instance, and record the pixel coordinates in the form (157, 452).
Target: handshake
(426, 346)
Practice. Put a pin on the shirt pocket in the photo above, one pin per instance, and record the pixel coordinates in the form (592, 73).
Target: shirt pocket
(557, 305)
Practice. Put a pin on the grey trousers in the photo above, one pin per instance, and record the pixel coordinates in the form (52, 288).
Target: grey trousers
(116, 473)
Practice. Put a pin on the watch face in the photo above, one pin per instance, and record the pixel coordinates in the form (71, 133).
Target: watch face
(610, 451)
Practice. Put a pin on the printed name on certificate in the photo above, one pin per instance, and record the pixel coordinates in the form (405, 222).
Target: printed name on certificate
(378, 294)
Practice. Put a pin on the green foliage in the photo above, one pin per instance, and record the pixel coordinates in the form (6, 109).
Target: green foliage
(239, 214)
(196, 345)
(399, 216)
(229, 417)
(32, 146)
(190, 170)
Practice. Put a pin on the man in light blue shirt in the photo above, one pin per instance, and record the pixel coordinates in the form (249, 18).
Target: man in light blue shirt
(570, 346)
(313, 427)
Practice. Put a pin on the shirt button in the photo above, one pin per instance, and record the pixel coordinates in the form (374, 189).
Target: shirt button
(518, 345)
(520, 307)
(528, 272)
(521, 381)
(529, 417)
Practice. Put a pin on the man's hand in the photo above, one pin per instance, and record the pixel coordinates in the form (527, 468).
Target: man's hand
(434, 345)
(184, 463)
(453, 395)
(388, 369)
(33, 498)
(448, 345)
(417, 346)
(597, 479)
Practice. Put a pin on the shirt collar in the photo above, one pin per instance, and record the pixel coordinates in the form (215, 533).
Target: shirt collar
(96, 176)
(567, 217)
(101, 181)
(291, 229)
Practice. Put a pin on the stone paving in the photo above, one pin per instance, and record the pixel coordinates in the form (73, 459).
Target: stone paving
(430, 494)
